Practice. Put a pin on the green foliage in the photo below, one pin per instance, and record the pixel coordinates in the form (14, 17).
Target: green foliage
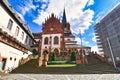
(61, 62)
(35, 52)
(62, 65)
(53, 57)
(73, 56)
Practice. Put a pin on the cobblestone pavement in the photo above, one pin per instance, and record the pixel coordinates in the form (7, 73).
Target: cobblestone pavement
(61, 77)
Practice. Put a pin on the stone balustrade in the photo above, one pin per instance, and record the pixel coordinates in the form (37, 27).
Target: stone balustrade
(100, 57)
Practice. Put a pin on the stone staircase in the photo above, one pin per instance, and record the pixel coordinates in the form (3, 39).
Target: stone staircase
(23, 61)
(94, 66)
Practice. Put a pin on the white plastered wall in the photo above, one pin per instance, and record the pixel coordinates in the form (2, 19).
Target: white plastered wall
(53, 46)
(4, 19)
(7, 52)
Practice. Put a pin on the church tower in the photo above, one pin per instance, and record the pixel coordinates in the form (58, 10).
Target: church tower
(68, 37)
(64, 21)
(65, 24)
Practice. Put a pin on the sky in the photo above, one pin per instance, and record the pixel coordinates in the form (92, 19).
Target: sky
(81, 14)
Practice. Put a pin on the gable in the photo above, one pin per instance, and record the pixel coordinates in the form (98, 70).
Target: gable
(52, 26)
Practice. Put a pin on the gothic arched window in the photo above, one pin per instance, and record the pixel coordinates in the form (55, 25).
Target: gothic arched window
(46, 40)
(56, 40)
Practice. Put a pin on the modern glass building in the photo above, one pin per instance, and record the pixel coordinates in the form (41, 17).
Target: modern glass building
(107, 32)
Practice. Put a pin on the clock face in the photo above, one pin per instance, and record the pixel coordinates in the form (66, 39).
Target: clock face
(65, 29)
(51, 29)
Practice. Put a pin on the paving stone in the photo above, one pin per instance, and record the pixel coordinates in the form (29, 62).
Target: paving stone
(61, 77)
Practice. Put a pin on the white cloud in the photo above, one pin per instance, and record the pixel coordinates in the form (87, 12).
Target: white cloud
(28, 5)
(83, 21)
(94, 38)
(78, 40)
(99, 16)
(44, 0)
(78, 18)
(55, 6)
(91, 34)
(41, 18)
(90, 2)
(84, 42)
(87, 42)
(21, 16)
(43, 6)
(95, 48)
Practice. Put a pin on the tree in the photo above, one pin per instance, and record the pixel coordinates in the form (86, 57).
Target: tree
(53, 57)
(35, 52)
(73, 56)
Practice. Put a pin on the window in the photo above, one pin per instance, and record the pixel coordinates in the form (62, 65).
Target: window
(17, 31)
(30, 41)
(10, 58)
(14, 59)
(56, 40)
(26, 40)
(22, 35)
(46, 40)
(10, 23)
(68, 39)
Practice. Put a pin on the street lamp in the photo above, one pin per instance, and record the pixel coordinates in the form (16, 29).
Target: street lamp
(111, 53)
(84, 59)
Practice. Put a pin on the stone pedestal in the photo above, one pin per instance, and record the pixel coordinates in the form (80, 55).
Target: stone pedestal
(78, 62)
(44, 63)
(40, 62)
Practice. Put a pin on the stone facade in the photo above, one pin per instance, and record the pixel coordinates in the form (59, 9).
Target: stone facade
(52, 37)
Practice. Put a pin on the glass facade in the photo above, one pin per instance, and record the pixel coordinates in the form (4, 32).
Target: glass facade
(109, 29)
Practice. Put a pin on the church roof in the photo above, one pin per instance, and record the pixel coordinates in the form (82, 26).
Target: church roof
(76, 46)
(36, 35)
(68, 34)
(64, 20)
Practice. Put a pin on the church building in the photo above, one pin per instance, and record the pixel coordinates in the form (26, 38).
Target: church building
(56, 37)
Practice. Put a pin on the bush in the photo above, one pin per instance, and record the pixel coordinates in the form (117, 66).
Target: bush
(61, 62)
(73, 56)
